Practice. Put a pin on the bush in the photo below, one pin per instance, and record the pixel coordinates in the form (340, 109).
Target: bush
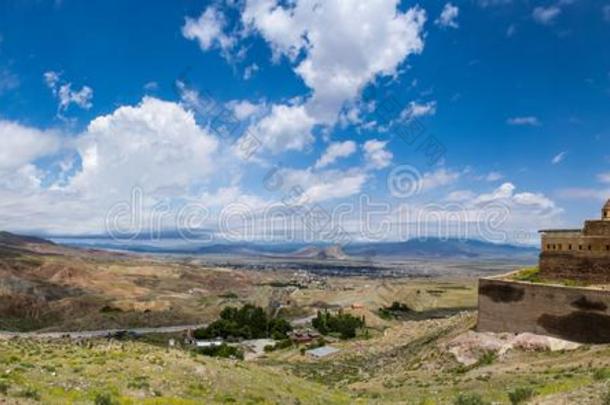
(520, 395)
(104, 399)
(469, 399)
(222, 350)
(139, 383)
(282, 344)
(107, 309)
(345, 325)
(393, 310)
(30, 393)
(4, 386)
(487, 358)
(601, 374)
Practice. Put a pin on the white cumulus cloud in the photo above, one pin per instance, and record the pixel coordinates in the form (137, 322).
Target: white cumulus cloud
(22, 145)
(524, 121)
(335, 151)
(448, 17)
(345, 45)
(285, 128)
(156, 145)
(64, 93)
(416, 110)
(376, 154)
(208, 31)
(546, 15)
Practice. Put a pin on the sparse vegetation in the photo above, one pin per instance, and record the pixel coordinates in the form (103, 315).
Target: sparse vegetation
(521, 395)
(487, 358)
(606, 397)
(530, 274)
(104, 399)
(29, 393)
(469, 399)
(601, 374)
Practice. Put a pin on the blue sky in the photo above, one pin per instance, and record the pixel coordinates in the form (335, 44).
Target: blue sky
(106, 103)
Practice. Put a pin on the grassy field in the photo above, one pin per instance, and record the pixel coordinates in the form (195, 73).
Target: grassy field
(133, 372)
(406, 363)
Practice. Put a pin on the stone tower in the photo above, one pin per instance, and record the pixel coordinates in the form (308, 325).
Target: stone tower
(606, 211)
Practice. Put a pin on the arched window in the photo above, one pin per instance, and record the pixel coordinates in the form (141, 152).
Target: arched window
(570, 246)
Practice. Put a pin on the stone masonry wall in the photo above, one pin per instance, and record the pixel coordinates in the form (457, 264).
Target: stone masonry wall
(571, 266)
(576, 314)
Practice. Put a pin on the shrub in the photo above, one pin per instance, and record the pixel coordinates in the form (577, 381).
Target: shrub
(222, 350)
(469, 399)
(520, 395)
(107, 309)
(139, 382)
(282, 344)
(29, 393)
(487, 358)
(601, 374)
(104, 399)
(4, 386)
(389, 312)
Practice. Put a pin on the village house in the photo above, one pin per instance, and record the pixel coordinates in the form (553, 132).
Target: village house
(303, 336)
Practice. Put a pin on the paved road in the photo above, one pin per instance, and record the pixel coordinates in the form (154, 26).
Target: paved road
(104, 332)
(96, 333)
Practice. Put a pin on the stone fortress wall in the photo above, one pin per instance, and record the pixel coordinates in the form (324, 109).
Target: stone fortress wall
(581, 255)
(575, 314)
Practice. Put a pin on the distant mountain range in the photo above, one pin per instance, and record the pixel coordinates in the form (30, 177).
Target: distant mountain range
(440, 248)
(414, 248)
(11, 239)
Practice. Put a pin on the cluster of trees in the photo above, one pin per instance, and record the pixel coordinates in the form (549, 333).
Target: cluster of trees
(397, 308)
(247, 322)
(345, 325)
